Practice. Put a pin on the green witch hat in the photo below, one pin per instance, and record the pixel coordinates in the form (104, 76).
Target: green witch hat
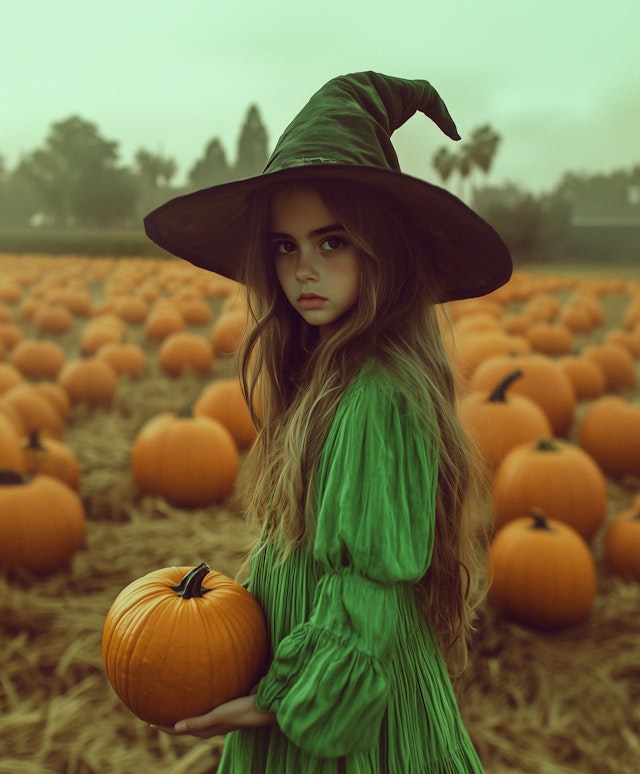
(344, 133)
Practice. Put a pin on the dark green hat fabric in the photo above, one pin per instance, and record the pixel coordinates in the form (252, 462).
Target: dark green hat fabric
(344, 133)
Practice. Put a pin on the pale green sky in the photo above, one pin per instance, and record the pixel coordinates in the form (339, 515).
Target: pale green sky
(558, 79)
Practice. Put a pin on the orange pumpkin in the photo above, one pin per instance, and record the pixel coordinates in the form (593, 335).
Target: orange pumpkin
(35, 410)
(501, 421)
(182, 351)
(54, 319)
(42, 522)
(9, 376)
(89, 380)
(585, 374)
(622, 544)
(189, 461)
(610, 433)
(38, 358)
(227, 331)
(555, 476)
(10, 451)
(550, 338)
(223, 400)
(177, 643)
(126, 358)
(50, 456)
(541, 572)
(542, 380)
(616, 363)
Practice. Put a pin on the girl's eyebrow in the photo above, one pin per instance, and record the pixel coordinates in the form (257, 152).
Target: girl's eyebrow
(314, 233)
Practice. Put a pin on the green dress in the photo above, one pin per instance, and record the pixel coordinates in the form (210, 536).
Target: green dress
(357, 681)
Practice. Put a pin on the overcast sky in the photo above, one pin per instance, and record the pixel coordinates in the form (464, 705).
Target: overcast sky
(558, 79)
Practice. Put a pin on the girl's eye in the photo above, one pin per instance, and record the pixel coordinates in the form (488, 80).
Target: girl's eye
(333, 243)
(284, 247)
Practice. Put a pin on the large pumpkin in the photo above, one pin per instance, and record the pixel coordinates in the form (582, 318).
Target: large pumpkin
(42, 522)
(189, 461)
(500, 421)
(541, 572)
(555, 476)
(542, 381)
(177, 643)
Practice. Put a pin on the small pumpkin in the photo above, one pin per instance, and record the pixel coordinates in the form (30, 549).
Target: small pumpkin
(50, 456)
(541, 572)
(227, 331)
(42, 522)
(188, 460)
(10, 452)
(178, 642)
(9, 377)
(35, 410)
(38, 358)
(53, 319)
(183, 351)
(586, 376)
(622, 544)
(223, 400)
(555, 476)
(617, 364)
(610, 433)
(89, 380)
(126, 358)
(161, 322)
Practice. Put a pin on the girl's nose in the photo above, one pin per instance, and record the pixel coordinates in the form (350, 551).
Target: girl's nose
(305, 267)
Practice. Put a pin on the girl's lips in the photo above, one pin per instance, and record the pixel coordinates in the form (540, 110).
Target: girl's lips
(308, 301)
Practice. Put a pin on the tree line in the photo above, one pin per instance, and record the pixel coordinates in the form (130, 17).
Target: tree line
(76, 178)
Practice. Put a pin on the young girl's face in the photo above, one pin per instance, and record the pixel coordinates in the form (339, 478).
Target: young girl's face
(317, 267)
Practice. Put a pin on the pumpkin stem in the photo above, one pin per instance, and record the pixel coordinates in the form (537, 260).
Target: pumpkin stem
(186, 412)
(34, 443)
(189, 586)
(498, 395)
(539, 520)
(546, 444)
(10, 477)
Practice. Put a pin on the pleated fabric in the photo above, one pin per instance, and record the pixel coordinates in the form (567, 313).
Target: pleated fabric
(357, 681)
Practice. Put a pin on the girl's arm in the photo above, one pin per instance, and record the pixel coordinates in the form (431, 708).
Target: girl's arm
(231, 716)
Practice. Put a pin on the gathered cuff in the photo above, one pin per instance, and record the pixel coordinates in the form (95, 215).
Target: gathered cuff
(328, 696)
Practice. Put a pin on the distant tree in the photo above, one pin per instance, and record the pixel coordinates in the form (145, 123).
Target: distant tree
(253, 152)
(477, 153)
(212, 169)
(535, 227)
(444, 162)
(76, 179)
(483, 146)
(156, 170)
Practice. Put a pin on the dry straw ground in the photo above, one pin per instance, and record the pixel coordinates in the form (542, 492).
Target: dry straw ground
(535, 702)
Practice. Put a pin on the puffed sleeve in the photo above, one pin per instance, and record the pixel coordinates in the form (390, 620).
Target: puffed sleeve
(375, 495)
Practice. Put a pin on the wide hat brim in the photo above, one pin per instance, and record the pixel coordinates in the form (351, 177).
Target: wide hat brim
(208, 227)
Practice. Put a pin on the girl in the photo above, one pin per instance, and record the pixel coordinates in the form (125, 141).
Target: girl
(369, 499)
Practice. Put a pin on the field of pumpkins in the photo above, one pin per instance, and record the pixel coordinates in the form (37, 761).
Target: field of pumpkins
(122, 437)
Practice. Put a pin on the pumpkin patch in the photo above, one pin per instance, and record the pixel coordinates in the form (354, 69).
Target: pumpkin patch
(543, 641)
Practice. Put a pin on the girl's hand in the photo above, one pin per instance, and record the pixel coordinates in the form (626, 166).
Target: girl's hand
(234, 714)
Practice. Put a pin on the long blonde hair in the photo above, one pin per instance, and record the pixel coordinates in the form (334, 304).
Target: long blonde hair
(294, 380)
